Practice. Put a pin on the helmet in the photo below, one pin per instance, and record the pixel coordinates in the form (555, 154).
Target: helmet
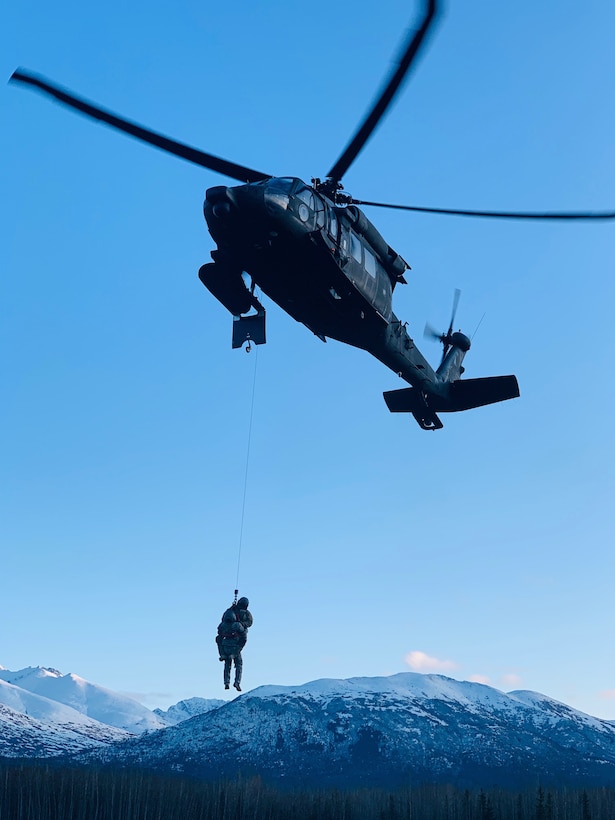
(243, 603)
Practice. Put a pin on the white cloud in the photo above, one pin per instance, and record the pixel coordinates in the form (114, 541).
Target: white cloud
(479, 679)
(421, 662)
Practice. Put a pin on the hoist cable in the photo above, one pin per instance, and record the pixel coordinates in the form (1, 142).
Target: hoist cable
(245, 478)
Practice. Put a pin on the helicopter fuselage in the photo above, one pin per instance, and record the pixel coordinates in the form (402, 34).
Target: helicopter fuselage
(325, 265)
(328, 267)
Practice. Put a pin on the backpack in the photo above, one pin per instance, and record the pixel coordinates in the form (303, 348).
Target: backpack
(228, 628)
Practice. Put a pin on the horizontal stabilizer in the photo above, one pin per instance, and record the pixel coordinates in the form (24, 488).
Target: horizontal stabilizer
(459, 395)
(468, 393)
(406, 400)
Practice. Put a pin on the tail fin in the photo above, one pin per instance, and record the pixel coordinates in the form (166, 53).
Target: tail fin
(460, 395)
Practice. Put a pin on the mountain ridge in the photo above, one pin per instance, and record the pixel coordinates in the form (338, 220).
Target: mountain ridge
(385, 732)
(389, 731)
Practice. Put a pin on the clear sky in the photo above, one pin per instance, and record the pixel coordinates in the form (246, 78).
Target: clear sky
(483, 551)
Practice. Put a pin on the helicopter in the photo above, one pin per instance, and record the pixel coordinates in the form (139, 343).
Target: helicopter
(312, 250)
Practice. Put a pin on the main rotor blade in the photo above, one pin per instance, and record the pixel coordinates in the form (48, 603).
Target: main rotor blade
(595, 215)
(385, 99)
(178, 149)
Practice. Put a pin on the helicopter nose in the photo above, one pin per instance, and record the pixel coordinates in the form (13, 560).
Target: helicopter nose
(221, 209)
(240, 200)
(219, 201)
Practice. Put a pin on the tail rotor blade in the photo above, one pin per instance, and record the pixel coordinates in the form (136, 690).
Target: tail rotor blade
(431, 333)
(456, 296)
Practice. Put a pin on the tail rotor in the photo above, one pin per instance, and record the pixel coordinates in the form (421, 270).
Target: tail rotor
(446, 338)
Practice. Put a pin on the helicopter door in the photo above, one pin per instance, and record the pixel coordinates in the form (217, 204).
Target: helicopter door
(384, 295)
(365, 282)
(382, 284)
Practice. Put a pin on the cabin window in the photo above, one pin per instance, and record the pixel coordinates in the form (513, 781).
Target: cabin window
(356, 247)
(305, 195)
(306, 204)
(332, 223)
(320, 212)
(370, 262)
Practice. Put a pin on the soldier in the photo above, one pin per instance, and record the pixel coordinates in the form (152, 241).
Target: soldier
(237, 615)
(243, 614)
(231, 639)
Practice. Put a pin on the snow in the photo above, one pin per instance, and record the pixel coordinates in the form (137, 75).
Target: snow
(83, 697)
(36, 706)
(22, 735)
(416, 689)
(405, 685)
(557, 711)
(186, 709)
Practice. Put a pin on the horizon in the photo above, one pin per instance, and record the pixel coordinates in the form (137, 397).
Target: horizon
(290, 687)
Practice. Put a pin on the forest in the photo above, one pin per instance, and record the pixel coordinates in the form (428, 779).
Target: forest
(31, 791)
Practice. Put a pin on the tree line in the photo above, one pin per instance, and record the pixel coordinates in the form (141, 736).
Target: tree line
(37, 791)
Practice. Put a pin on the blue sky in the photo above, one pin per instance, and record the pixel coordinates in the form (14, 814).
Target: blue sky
(483, 551)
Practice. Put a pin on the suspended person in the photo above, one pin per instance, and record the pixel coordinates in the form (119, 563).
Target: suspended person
(244, 616)
(231, 639)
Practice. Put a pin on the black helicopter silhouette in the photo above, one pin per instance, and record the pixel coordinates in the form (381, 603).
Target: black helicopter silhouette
(315, 253)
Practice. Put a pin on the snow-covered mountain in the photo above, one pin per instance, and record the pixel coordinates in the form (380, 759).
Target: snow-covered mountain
(32, 725)
(406, 728)
(403, 729)
(185, 709)
(22, 735)
(87, 698)
(44, 713)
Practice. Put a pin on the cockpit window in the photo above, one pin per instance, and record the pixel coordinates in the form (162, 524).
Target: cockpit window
(356, 247)
(283, 184)
(277, 193)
